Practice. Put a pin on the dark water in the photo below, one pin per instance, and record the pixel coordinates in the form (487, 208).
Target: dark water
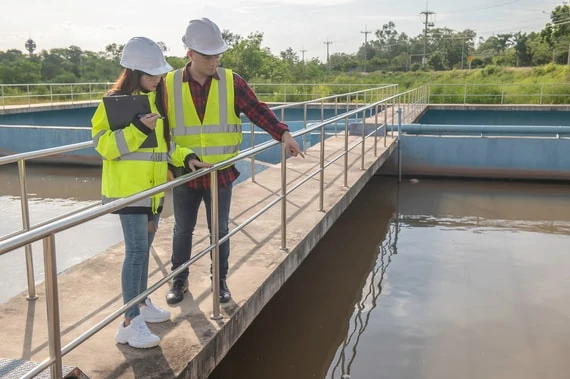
(434, 279)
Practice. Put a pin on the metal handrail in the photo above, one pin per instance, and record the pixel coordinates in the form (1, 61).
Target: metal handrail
(92, 92)
(47, 232)
(504, 95)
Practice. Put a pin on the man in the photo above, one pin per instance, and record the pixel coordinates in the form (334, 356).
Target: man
(204, 105)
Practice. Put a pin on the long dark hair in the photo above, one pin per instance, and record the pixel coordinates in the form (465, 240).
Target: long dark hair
(128, 83)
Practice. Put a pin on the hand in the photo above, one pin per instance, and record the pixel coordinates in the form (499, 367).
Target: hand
(169, 176)
(195, 164)
(149, 119)
(291, 146)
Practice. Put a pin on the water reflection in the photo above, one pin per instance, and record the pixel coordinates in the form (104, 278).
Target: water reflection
(371, 292)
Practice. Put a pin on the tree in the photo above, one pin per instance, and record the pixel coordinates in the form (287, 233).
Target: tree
(523, 51)
(113, 52)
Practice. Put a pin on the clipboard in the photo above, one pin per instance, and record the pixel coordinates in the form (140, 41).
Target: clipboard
(122, 110)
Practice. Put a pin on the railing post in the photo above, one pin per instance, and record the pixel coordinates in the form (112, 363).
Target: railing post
(215, 232)
(502, 95)
(335, 113)
(464, 94)
(305, 127)
(385, 122)
(283, 198)
(376, 131)
(541, 92)
(52, 305)
(26, 226)
(3, 100)
(363, 139)
(71, 89)
(29, 95)
(393, 108)
(252, 134)
(399, 142)
(346, 152)
(322, 172)
(51, 93)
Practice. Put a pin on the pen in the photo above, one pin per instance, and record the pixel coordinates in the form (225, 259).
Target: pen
(143, 115)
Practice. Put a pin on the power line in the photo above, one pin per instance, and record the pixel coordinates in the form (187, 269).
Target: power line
(484, 7)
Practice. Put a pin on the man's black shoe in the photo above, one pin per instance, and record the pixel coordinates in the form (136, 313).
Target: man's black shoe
(176, 293)
(225, 294)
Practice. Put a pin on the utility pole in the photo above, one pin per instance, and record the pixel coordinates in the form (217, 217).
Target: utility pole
(427, 24)
(303, 54)
(365, 32)
(327, 42)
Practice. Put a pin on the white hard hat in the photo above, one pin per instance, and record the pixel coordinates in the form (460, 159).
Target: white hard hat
(143, 54)
(203, 36)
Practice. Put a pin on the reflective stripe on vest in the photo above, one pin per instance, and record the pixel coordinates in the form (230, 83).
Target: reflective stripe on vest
(120, 140)
(140, 156)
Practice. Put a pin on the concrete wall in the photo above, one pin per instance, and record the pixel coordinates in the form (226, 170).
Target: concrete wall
(477, 157)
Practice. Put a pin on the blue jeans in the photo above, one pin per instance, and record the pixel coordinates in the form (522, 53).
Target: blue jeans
(186, 202)
(138, 239)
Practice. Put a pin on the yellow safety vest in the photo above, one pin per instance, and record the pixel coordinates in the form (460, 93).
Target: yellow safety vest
(127, 168)
(218, 136)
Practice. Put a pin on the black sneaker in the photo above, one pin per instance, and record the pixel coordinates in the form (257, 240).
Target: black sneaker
(225, 294)
(176, 293)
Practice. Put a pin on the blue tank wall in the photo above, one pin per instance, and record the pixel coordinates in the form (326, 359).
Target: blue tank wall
(482, 157)
(495, 117)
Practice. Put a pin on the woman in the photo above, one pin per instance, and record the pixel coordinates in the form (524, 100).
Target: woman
(136, 158)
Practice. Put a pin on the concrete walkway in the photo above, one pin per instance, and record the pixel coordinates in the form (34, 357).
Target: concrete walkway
(192, 343)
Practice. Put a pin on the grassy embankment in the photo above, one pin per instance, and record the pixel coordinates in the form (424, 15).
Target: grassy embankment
(491, 85)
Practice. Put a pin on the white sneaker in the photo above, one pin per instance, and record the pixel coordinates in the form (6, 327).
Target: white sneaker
(137, 334)
(151, 313)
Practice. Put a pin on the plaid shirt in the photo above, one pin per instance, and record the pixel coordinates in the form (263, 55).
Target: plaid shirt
(246, 102)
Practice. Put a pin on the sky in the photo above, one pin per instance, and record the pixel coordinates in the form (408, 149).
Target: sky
(299, 24)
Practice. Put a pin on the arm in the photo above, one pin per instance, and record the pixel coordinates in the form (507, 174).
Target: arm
(257, 112)
(112, 144)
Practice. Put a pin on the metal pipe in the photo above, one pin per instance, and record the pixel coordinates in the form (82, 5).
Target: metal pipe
(252, 134)
(346, 152)
(284, 198)
(363, 140)
(26, 226)
(393, 108)
(52, 304)
(376, 132)
(385, 123)
(335, 113)
(322, 172)
(399, 141)
(305, 128)
(215, 233)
